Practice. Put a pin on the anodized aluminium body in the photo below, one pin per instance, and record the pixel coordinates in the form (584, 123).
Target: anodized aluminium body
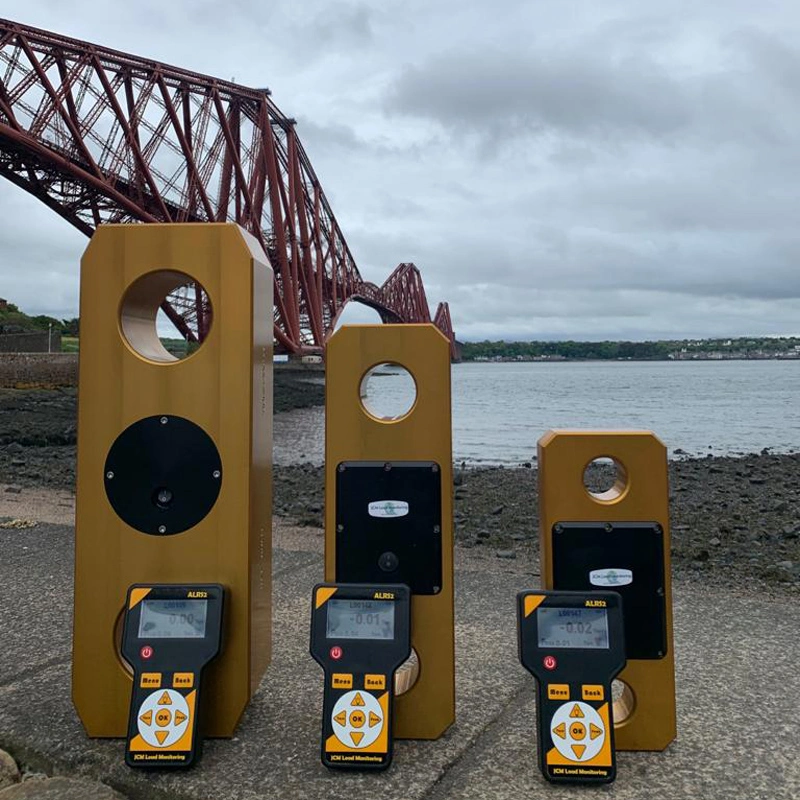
(416, 451)
(174, 457)
(617, 540)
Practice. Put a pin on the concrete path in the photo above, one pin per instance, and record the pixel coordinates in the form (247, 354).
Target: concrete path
(738, 662)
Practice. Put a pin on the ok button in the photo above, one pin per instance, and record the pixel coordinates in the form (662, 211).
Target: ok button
(577, 730)
(357, 719)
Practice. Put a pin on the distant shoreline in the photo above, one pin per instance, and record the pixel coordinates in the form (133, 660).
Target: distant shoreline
(624, 360)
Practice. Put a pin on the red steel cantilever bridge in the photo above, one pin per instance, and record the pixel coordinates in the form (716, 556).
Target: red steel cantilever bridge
(101, 136)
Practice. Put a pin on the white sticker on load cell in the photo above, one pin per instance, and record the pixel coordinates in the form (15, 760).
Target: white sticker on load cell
(388, 508)
(610, 577)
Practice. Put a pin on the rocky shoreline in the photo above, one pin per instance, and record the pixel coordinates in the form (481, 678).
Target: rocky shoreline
(734, 521)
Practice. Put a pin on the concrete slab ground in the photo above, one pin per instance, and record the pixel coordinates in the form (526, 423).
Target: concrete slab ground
(738, 695)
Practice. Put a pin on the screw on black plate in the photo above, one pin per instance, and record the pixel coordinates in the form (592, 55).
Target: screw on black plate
(437, 529)
(558, 528)
(341, 468)
(339, 528)
(162, 497)
(658, 530)
(660, 591)
(216, 473)
(162, 528)
(608, 527)
(435, 468)
(388, 562)
(387, 466)
(164, 420)
(110, 475)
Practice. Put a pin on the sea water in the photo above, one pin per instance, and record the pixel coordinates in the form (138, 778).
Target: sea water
(501, 409)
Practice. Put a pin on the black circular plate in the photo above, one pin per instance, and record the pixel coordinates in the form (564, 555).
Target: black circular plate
(163, 475)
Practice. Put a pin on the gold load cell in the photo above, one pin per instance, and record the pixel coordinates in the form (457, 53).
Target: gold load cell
(388, 497)
(604, 525)
(174, 454)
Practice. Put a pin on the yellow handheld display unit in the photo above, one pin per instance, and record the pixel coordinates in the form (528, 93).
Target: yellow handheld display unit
(573, 644)
(389, 502)
(170, 634)
(616, 540)
(359, 635)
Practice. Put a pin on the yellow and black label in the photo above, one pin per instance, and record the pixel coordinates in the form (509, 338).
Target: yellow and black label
(594, 692)
(558, 691)
(341, 680)
(183, 680)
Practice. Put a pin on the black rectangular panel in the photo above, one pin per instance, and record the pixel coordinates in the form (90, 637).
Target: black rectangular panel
(389, 524)
(625, 557)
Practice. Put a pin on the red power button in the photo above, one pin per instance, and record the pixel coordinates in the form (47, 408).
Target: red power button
(550, 662)
(336, 652)
(146, 651)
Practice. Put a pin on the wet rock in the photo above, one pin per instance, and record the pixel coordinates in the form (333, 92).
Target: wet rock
(505, 554)
(9, 772)
(61, 789)
(782, 572)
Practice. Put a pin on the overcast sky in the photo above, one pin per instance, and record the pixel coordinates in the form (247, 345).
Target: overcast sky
(582, 169)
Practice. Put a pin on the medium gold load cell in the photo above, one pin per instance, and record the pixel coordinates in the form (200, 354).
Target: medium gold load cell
(388, 497)
(174, 456)
(619, 540)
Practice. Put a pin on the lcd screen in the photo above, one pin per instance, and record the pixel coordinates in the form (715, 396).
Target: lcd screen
(573, 627)
(173, 619)
(360, 619)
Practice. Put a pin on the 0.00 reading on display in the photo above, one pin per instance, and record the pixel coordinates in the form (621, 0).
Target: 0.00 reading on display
(173, 619)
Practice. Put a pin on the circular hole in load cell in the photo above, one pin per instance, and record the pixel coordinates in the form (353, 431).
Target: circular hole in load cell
(407, 674)
(388, 391)
(605, 479)
(165, 316)
(119, 624)
(623, 701)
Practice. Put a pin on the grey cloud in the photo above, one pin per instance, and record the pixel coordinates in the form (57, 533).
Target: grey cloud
(611, 169)
(602, 92)
(528, 92)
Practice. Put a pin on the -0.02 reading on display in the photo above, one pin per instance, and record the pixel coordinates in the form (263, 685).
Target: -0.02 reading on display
(573, 628)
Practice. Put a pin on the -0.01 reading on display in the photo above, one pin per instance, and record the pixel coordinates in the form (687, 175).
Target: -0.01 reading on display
(573, 628)
(173, 619)
(360, 619)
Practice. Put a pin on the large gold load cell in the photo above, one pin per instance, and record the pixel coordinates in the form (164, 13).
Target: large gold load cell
(617, 539)
(388, 498)
(174, 456)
